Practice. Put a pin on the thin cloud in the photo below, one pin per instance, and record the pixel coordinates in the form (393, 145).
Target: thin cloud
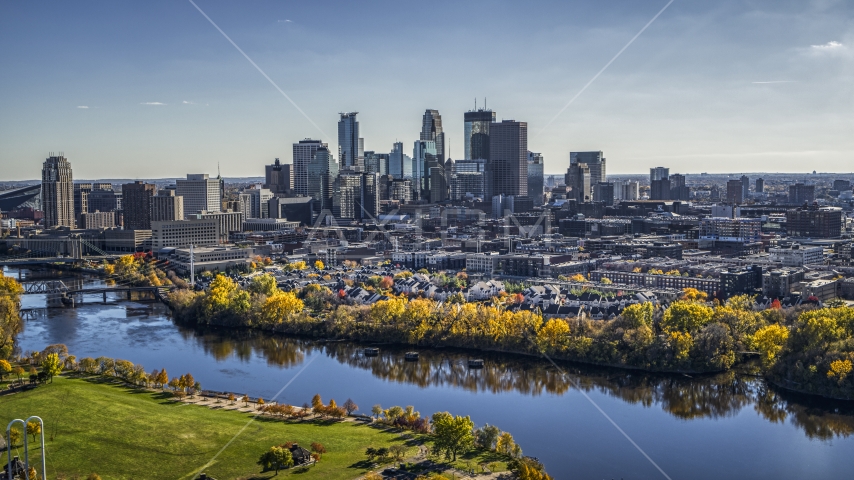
(82, 106)
(152, 103)
(829, 49)
(286, 21)
(831, 45)
(187, 103)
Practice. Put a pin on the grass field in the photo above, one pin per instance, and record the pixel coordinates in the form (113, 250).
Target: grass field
(125, 433)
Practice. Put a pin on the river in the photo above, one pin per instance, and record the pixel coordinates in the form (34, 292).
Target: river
(708, 427)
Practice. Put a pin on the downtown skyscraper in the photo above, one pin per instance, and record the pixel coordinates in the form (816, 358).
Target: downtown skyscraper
(58, 192)
(431, 130)
(322, 172)
(304, 151)
(137, 204)
(279, 178)
(351, 148)
(507, 165)
(200, 192)
(595, 163)
(476, 133)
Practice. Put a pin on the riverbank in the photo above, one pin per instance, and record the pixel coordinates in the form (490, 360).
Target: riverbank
(96, 425)
(689, 336)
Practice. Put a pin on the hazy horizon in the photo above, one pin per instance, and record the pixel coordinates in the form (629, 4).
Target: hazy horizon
(153, 90)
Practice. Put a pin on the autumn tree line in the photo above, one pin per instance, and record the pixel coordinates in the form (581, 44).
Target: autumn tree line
(141, 269)
(10, 319)
(689, 335)
(55, 359)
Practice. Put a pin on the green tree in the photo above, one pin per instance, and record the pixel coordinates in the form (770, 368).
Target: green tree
(276, 458)
(264, 284)
(377, 410)
(51, 365)
(393, 413)
(486, 436)
(397, 451)
(453, 434)
(370, 452)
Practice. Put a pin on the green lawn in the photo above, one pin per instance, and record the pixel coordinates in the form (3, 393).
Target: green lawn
(124, 433)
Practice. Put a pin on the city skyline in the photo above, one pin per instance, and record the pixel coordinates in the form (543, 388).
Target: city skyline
(697, 85)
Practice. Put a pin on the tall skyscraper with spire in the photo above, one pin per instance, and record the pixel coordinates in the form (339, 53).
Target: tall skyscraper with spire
(57, 192)
(431, 130)
(351, 154)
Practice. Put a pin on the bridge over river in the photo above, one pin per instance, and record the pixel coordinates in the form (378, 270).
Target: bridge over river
(58, 287)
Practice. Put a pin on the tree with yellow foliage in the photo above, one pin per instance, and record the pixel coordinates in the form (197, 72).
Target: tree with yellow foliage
(638, 314)
(34, 428)
(694, 295)
(553, 337)
(278, 307)
(318, 264)
(681, 344)
(769, 341)
(505, 443)
(225, 298)
(685, 316)
(839, 369)
(5, 368)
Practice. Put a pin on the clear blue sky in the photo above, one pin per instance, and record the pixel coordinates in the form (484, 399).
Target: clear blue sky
(151, 89)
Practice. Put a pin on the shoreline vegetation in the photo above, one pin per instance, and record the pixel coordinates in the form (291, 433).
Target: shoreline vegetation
(429, 446)
(805, 349)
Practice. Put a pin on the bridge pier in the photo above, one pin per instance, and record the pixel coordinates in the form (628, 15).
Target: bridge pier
(105, 297)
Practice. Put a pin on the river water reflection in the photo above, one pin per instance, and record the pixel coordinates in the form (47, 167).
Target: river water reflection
(722, 426)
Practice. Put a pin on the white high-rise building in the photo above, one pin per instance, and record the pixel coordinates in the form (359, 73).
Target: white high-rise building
(200, 192)
(304, 151)
(58, 192)
(167, 206)
(258, 198)
(626, 190)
